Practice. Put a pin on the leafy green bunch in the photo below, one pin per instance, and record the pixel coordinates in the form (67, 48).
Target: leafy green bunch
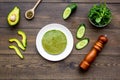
(100, 14)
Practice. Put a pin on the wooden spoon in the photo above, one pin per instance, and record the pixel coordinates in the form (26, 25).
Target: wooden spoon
(29, 14)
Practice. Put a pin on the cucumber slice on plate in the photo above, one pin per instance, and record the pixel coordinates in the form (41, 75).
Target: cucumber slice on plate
(81, 31)
(82, 43)
(68, 10)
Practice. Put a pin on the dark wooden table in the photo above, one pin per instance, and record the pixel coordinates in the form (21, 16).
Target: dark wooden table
(105, 67)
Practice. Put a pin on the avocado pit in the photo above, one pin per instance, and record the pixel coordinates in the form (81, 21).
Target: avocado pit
(13, 18)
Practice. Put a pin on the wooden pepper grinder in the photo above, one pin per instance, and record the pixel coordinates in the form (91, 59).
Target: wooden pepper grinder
(90, 57)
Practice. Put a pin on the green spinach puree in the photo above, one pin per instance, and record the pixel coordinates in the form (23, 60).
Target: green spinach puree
(54, 42)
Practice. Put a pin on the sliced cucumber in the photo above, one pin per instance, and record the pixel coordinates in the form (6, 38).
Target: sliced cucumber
(18, 43)
(82, 43)
(24, 37)
(17, 51)
(81, 31)
(68, 10)
(66, 13)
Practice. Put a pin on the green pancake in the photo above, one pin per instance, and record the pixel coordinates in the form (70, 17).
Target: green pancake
(54, 42)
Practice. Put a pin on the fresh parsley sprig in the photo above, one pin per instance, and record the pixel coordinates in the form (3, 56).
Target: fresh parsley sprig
(100, 14)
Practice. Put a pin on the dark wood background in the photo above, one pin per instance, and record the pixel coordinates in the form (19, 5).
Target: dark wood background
(105, 67)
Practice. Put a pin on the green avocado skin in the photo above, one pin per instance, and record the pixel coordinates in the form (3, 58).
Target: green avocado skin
(14, 11)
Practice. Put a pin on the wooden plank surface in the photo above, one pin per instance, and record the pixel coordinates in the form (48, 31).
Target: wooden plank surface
(64, 1)
(105, 67)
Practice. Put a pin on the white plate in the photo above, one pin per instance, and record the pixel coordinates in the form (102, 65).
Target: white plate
(68, 48)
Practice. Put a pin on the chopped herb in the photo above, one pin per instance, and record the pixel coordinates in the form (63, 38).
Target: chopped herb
(100, 14)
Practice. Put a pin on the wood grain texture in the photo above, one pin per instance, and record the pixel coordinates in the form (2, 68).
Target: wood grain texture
(65, 1)
(34, 67)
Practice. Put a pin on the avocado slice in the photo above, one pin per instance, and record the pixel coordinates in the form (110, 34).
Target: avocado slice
(18, 52)
(14, 16)
(18, 43)
(24, 37)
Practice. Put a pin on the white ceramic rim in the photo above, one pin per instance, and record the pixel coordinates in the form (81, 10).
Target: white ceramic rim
(69, 46)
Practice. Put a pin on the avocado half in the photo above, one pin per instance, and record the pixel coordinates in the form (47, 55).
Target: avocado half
(14, 16)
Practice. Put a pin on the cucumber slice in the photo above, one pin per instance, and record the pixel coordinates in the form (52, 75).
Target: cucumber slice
(81, 31)
(17, 51)
(68, 10)
(24, 37)
(82, 43)
(18, 43)
(66, 13)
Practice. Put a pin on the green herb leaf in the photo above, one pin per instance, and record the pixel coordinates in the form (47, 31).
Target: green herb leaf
(100, 14)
